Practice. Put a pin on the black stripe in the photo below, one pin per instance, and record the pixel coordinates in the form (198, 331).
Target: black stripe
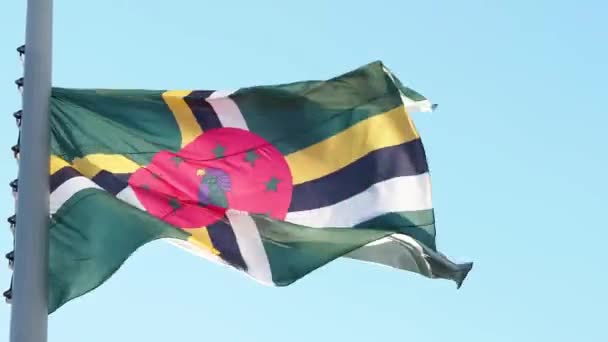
(111, 182)
(62, 176)
(224, 241)
(407, 159)
(202, 110)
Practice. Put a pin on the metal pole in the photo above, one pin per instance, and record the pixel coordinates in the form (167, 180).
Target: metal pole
(30, 285)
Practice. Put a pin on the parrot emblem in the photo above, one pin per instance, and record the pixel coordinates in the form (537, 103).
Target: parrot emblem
(213, 187)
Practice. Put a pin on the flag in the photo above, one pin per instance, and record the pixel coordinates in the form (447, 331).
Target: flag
(273, 181)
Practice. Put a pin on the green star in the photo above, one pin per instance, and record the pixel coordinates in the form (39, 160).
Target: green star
(146, 187)
(272, 184)
(177, 160)
(174, 203)
(219, 150)
(251, 157)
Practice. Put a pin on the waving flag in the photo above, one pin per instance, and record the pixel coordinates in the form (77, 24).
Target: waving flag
(274, 181)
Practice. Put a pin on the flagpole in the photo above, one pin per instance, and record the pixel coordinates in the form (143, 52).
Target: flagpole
(30, 284)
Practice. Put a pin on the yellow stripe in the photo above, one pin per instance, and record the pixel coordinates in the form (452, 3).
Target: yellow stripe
(388, 129)
(186, 121)
(57, 164)
(200, 238)
(91, 164)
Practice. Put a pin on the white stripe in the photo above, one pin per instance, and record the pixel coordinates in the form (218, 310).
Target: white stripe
(404, 252)
(68, 189)
(410, 105)
(417, 251)
(251, 247)
(220, 94)
(227, 111)
(397, 251)
(416, 106)
(408, 193)
(128, 195)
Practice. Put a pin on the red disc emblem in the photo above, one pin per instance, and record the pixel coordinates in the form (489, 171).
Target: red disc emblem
(220, 169)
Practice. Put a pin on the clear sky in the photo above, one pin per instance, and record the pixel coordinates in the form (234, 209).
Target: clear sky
(517, 150)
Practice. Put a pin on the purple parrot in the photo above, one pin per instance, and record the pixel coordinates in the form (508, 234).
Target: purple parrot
(213, 188)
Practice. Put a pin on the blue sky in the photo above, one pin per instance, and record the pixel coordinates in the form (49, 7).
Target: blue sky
(517, 150)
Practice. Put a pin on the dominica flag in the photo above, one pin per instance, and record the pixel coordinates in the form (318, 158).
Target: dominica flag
(273, 181)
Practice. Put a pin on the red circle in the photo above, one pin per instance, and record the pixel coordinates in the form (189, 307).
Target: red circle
(259, 177)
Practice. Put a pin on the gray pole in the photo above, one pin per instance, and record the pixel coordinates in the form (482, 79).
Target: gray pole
(30, 285)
